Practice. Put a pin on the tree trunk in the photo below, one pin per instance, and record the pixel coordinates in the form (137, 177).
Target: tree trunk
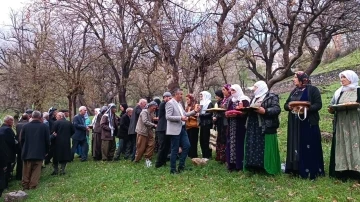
(70, 106)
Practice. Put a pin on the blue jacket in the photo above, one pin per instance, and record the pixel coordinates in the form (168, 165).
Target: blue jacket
(80, 128)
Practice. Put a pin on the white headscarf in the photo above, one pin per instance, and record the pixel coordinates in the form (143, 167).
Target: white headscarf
(239, 94)
(261, 90)
(206, 100)
(97, 111)
(354, 82)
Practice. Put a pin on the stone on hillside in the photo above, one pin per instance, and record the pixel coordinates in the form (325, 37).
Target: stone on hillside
(327, 137)
(15, 196)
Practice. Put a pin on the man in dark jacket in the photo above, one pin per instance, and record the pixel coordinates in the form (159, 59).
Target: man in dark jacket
(24, 120)
(164, 140)
(79, 137)
(133, 121)
(51, 119)
(35, 143)
(109, 126)
(123, 134)
(61, 135)
(3, 166)
(8, 137)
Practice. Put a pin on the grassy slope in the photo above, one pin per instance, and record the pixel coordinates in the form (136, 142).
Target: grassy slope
(351, 60)
(126, 181)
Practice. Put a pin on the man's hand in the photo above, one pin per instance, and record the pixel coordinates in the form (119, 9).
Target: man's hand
(184, 118)
(214, 118)
(55, 134)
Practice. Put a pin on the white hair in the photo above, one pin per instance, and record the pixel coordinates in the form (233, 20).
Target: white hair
(129, 109)
(8, 118)
(82, 108)
(142, 100)
(45, 115)
(62, 115)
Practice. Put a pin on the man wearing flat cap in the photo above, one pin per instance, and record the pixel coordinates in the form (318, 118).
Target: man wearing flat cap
(145, 141)
(164, 140)
(109, 125)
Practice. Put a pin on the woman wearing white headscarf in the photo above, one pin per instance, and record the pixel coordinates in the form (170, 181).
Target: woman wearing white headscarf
(236, 129)
(205, 123)
(261, 144)
(345, 153)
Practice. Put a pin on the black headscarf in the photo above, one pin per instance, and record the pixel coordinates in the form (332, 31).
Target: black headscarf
(219, 93)
(125, 107)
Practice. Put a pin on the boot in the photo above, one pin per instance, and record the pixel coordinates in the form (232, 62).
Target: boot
(56, 169)
(62, 172)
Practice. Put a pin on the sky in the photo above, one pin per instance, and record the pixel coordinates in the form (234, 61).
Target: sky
(5, 8)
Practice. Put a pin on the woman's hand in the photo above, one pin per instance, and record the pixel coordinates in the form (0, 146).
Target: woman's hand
(331, 110)
(260, 110)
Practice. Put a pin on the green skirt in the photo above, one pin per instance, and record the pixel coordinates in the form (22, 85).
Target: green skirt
(272, 164)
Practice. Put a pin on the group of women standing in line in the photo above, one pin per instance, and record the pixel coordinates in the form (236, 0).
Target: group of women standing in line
(247, 140)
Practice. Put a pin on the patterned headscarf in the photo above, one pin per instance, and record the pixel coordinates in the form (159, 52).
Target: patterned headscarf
(227, 87)
(303, 78)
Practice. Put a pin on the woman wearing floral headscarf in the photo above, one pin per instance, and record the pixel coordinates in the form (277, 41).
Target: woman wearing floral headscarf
(304, 151)
(236, 130)
(205, 123)
(345, 153)
(261, 144)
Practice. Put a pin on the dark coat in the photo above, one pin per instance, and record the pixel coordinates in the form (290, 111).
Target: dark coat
(124, 126)
(80, 128)
(134, 119)
(61, 142)
(206, 118)
(316, 104)
(272, 110)
(3, 163)
(161, 126)
(35, 141)
(9, 138)
(97, 127)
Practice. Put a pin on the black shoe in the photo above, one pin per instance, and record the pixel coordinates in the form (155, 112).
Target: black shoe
(83, 160)
(62, 173)
(54, 173)
(182, 169)
(174, 172)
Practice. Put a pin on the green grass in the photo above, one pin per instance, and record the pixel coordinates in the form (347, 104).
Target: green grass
(127, 181)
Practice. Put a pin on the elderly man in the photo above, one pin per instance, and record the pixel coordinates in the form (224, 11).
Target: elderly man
(8, 136)
(123, 134)
(175, 128)
(109, 124)
(35, 146)
(61, 135)
(133, 121)
(79, 137)
(46, 118)
(145, 141)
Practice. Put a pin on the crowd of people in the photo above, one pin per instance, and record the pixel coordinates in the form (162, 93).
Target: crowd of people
(246, 133)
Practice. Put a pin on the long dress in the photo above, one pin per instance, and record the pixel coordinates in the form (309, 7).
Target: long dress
(222, 129)
(304, 151)
(261, 148)
(345, 153)
(235, 139)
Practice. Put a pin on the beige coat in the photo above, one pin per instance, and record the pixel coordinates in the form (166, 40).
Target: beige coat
(144, 125)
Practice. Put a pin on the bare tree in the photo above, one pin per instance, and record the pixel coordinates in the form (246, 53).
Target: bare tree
(118, 34)
(288, 28)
